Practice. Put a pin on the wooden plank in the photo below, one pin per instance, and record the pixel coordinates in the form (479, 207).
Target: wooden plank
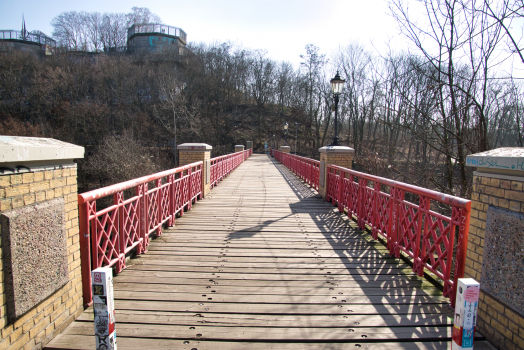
(277, 334)
(83, 342)
(283, 309)
(290, 298)
(312, 278)
(297, 321)
(275, 290)
(290, 283)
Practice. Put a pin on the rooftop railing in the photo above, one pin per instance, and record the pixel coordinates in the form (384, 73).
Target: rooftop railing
(35, 38)
(403, 215)
(154, 28)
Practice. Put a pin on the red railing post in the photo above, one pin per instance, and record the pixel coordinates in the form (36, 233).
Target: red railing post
(327, 180)
(159, 206)
(375, 215)
(190, 189)
(144, 214)
(118, 200)
(462, 249)
(423, 217)
(85, 253)
(342, 176)
(171, 194)
(362, 184)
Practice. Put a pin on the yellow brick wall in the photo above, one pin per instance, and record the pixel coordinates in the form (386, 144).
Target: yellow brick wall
(342, 160)
(49, 318)
(188, 157)
(502, 326)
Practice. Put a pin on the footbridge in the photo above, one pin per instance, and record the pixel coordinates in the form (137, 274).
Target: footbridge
(262, 261)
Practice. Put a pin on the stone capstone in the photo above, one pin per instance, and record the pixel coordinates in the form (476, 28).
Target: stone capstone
(504, 257)
(34, 243)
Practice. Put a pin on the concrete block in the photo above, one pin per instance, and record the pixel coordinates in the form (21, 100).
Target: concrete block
(504, 249)
(35, 254)
(24, 149)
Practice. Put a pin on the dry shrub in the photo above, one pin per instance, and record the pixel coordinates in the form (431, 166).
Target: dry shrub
(119, 158)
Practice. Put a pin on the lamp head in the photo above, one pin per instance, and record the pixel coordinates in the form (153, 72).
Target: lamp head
(337, 84)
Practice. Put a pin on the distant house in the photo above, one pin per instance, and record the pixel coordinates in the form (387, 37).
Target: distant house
(26, 41)
(154, 37)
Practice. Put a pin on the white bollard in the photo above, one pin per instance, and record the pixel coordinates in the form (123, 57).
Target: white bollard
(104, 308)
(466, 306)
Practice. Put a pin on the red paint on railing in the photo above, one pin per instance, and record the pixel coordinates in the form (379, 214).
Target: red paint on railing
(305, 168)
(222, 166)
(109, 234)
(106, 236)
(424, 235)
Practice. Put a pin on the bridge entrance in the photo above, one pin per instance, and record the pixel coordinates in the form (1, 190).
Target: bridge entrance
(263, 262)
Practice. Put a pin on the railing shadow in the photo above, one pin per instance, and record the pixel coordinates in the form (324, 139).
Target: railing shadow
(251, 231)
(373, 267)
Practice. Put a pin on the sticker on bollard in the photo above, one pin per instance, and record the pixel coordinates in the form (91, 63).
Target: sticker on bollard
(465, 313)
(104, 309)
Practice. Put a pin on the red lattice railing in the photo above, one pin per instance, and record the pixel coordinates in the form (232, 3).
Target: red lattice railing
(109, 234)
(305, 168)
(408, 226)
(222, 166)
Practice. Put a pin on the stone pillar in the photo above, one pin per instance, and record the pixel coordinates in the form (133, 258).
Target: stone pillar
(239, 148)
(195, 152)
(495, 256)
(40, 274)
(249, 144)
(337, 155)
(285, 149)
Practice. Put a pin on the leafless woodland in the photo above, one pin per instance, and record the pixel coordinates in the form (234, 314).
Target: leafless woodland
(410, 115)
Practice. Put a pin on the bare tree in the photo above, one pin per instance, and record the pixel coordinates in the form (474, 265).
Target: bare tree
(94, 23)
(141, 15)
(459, 44)
(114, 31)
(91, 31)
(313, 63)
(68, 29)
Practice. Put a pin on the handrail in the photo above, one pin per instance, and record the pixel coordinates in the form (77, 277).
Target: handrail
(156, 28)
(425, 236)
(305, 168)
(107, 235)
(222, 166)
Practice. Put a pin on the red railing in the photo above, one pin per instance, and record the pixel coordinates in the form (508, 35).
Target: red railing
(421, 233)
(222, 166)
(107, 235)
(305, 168)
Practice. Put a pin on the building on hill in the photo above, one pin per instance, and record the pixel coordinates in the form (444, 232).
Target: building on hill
(154, 37)
(23, 40)
(26, 41)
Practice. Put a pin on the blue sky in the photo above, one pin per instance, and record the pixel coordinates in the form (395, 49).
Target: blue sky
(282, 27)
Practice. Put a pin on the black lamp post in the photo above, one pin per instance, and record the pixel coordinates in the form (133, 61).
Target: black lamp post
(296, 136)
(337, 85)
(285, 133)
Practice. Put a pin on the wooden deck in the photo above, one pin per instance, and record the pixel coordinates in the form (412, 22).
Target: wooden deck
(264, 263)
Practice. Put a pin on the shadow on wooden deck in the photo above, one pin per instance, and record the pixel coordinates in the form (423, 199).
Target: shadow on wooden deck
(265, 263)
